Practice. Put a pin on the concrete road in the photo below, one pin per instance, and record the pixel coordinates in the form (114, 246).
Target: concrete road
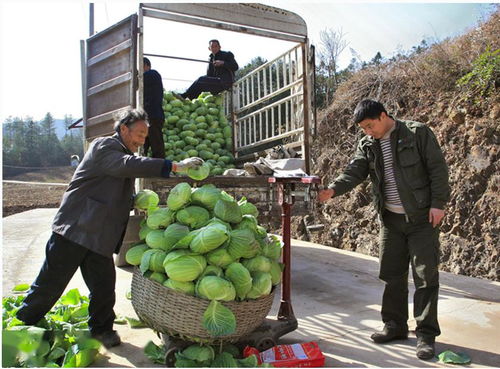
(336, 298)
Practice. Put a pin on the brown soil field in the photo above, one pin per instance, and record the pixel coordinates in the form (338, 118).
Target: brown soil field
(17, 197)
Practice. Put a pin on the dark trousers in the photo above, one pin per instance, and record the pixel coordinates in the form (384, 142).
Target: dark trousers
(403, 243)
(62, 259)
(155, 139)
(206, 84)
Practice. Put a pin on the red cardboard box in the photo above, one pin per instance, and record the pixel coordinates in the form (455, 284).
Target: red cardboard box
(298, 355)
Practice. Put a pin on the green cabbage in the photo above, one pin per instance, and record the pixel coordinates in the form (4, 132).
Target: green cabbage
(241, 279)
(219, 257)
(248, 222)
(276, 270)
(174, 233)
(134, 254)
(185, 268)
(215, 288)
(155, 240)
(247, 207)
(257, 264)
(227, 210)
(158, 277)
(143, 232)
(160, 218)
(146, 199)
(271, 247)
(261, 285)
(185, 241)
(186, 287)
(242, 244)
(212, 270)
(179, 196)
(206, 196)
(193, 216)
(209, 238)
(199, 173)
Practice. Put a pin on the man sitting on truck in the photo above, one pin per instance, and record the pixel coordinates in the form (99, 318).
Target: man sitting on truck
(91, 222)
(220, 73)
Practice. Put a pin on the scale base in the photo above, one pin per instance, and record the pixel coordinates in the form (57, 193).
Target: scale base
(262, 338)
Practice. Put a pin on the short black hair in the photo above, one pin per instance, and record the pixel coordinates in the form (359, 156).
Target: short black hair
(368, 109)
(214, 40)
(128, 117)
(146, 62)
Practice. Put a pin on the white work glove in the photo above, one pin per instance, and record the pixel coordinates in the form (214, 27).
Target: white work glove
(188, 163)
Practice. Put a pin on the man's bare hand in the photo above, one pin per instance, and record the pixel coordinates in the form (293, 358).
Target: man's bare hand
(324, 195)
(218, 63)
(435, 216)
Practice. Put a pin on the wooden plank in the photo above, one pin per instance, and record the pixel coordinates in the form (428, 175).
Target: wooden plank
(112, 36)
(111, 68)
(108, 100)
(223, 26)
(124, 78)
(124, 46)
(252, 15)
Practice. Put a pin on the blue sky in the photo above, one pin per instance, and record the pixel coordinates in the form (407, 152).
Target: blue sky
(40, 69)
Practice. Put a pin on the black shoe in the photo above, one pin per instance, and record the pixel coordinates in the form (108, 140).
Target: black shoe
(108, 339)
(391, 332)
(425, 348)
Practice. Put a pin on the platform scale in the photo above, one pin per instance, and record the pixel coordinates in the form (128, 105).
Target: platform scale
(268, 333)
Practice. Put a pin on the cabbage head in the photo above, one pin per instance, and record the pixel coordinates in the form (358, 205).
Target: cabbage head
(276, 270)
(247, 207)
(241, 279)
(174, 233)
(212, 270)
(258, 264)
(186, 287)
(185, 241)
(215, 288)
(209, 238)
(146, 199)
(185, 268)
(155, 240)
(156, 261)
(248, 222)
(193, 216)
(160, 218)
(227, 210)
(173, 254)
(242, 244)
(206, 196)
(271, 247)
(179, 196)
(261, 285)
(158, 277)
(215, 220)
(143, 232)
(219, 257)
(199, 173)
(134, 254)
(202, 354)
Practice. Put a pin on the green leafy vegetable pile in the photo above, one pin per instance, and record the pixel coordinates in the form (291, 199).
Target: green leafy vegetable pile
(60, 339)
(207, 244)
(199, 128)
(204, 356)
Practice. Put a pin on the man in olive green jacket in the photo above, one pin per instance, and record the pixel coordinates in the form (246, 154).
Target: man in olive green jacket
(410, 189)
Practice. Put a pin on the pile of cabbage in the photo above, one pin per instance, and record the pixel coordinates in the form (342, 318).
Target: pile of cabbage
(199, 128)
(207, 244)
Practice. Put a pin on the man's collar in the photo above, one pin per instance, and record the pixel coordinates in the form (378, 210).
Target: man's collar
(119, 138)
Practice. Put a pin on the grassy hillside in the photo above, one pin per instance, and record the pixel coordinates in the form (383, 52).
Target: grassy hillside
(454, 87)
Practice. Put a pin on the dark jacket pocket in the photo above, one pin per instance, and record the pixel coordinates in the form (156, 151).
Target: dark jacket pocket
(93, 215)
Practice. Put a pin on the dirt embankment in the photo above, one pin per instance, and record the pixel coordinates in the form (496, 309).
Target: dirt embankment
(423, 88)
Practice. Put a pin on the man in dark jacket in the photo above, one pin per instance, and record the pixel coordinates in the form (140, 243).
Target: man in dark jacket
(220, 73)
(410, 189)
(91, 222)
(153, 104)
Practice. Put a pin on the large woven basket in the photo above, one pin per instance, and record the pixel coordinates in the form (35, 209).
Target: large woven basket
(180, 315)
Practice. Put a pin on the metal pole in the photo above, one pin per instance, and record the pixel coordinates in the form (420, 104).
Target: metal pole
(91, 19)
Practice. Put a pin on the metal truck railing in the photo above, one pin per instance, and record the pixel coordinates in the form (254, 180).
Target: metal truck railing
(268, 104)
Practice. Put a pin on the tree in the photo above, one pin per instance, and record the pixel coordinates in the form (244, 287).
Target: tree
(332, 44)
(51, 150)
(377, 59)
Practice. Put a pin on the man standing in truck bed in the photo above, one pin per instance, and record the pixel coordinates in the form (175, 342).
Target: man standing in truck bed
(220, 73)
(410, 188)
(153, 105)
